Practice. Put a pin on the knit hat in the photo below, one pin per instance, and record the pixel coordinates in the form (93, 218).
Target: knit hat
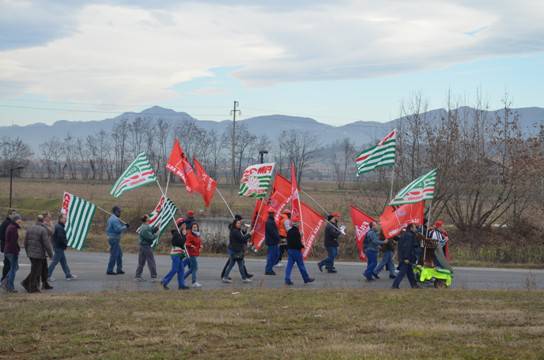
(16, 217)
(190, 213)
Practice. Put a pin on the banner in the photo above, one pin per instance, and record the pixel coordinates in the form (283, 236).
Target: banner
(394, 219)
(180, 166)
(361, 221)
(296, 209)
(207, 184)
(161, 216)
(138, 173)
(420, 189)
(79, 215)
(377, 156)
(313, 221)
(256, 180)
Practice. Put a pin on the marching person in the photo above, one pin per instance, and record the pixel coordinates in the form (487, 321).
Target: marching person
(294, 251)
(388, 250)
(114, 229)
(11, 250)
(177, 254)
(244, 231)
(236, 248)
(60, 243)
(146, 237)
(371, 245)
(283, 227)
(272, 241)
(3, 227)
(407, 256)
(37, 247)
(44, 277)
(194, 246)
(332, 233)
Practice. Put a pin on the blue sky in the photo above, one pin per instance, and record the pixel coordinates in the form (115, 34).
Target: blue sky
(337, 62)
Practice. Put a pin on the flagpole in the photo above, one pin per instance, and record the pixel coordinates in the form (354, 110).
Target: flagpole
(167, 183)
(225, 201)
(321, 207)
(258, 215)
(392, 184)
(109, 213)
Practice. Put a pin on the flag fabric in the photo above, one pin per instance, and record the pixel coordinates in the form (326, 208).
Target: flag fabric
(138, 173)
(383, 154)
(207, 184)
(420, 189)
(161, 216)
(313, 221)
(281, 195)
(256, 180)
(79, 215)
(180, 166)
(296, 210)
(394, 219)
(361, 221)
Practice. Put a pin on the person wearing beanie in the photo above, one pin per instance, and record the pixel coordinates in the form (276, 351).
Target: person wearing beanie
(237, 217)
(146, 237)
(189, 219)
(332, 233)
(11, 250)
(294, 251)
(272, 241)
(114, 229)
(37, 247)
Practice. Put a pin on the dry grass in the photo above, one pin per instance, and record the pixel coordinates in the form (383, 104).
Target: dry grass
(275, 324)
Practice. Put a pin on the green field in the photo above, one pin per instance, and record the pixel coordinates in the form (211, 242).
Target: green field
(275, 324)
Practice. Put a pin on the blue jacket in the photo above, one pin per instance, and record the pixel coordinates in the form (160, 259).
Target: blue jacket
(371, 241)
(271, 235)
(407, 246)
(115, 228)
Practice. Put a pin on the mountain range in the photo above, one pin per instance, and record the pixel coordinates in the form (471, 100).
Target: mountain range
(359, 132)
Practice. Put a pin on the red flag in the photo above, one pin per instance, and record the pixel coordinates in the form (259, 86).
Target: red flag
(207, 184)
(296, 210)
(394, 219)
(313, 221)
(281, 194)
(361, 222)
(179, 165)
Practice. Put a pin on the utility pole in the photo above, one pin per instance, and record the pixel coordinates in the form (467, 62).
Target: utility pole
(234, 112)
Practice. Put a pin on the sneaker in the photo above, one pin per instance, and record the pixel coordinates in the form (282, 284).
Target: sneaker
(164, 286)
(289, 283)
(332, 271)
(270, 273)
(197, 285)
(139, 279)
(25, 286)
(13, 291)
(310, 280)
(120, 272)
(51, 279)
(47, 287)
(227, 280)
(392, 276)
(111, 273)
(246, 280)
(249, 276)
(376, 276)
(71, 277)
(279, 264)
(183, 288)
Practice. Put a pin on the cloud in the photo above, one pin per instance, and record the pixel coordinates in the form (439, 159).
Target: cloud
(138, 51)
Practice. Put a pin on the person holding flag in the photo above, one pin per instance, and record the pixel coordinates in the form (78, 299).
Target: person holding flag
(114, 229)
(407, 256)
(294, 251)
(60, 243)
(236, 248)
(177, 254)
(371, 246)
(284, 225)
(272, 240)
(332, 233)
(146, 237)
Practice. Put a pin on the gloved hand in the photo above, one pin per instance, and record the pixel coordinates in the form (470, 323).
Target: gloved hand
(127, 225)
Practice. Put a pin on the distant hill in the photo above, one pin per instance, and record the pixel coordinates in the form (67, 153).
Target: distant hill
(359, 132)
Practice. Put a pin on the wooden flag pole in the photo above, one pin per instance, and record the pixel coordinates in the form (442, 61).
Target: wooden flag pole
(392, 185)
(109, 213)
(225, 201)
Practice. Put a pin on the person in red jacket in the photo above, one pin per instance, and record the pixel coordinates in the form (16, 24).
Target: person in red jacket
(193, 245)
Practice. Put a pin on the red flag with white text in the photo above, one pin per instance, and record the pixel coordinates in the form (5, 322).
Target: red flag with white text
(395, 218)
(361, 221)
(207, 184)
(179, 165)
(296, 209)
(313, 221)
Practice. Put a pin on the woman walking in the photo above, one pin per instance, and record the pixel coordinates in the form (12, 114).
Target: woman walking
(177, 254)
(194, 245)
(236, 248)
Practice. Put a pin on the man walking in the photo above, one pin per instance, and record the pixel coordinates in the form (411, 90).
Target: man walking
(387, 259)
(147, 235)
(332, 232)
(283, 227)
(11, 250)
(37, 247)
(294, 251)
(371, 245)
(3, 228)
(407, 246)
(272, 240)
(60, 243)
(44, 276)
(114, 229)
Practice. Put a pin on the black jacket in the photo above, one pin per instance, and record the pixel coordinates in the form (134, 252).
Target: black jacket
(331, 235)
(178, 239)
(3, 229)
(237, 240)
(407, 246)
(189, 222)
(59, 237)
(271, 234)
(294, 239)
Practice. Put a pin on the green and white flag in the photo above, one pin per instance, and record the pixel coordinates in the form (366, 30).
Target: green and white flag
(161, 216)
(79, 215)
(138, 173)
(420, 189)
(377, 156)
(256, 180)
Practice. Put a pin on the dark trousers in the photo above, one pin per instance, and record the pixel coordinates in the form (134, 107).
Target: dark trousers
(272, 257)
(227, 265)
(44, 275)
(5, 269)
(32, 281)
(328, 262)
(146, 256)
(405, 269)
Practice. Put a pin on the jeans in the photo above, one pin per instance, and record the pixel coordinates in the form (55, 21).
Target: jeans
(116, 255)
(32, 281)
(13, 267)
(146, 255)
(405, 269)
(295, 256)
(372, 261)
(193, 268)
(328, 262)
(272, 257)
(59, 256)
(387, 260)
(177, 269)
(232, 261)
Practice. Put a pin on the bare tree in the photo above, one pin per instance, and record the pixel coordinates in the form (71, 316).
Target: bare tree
(297, 147)
(342, 161)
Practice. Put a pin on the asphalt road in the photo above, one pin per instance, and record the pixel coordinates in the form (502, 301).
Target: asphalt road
(91, 267)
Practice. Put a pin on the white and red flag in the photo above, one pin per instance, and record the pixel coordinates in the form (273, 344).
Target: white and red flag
(207, 184)
(361, 221)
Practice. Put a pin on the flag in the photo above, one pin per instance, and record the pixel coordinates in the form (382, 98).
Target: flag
(79, 215)
(180, 166)
(256, 180)
(138, 173)
(420, 189)
(161, 216)
(296, 211)
(394, 219)
(361, 222)
(377, 156)
(313, 221)
(281, 194)
(207, 184)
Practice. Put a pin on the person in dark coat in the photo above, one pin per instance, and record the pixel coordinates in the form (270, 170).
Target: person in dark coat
(12, 249)
(3, 228)
(371, 245)
(244, 231)
(387, 258)
(236, 248)
(272, 240)
(332, 233)
(407, 246)
(37, 247)
(60, 243)
(44, 276)
(178, 255)
(294, 251)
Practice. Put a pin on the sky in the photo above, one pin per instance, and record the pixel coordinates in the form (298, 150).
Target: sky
(335, 61)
